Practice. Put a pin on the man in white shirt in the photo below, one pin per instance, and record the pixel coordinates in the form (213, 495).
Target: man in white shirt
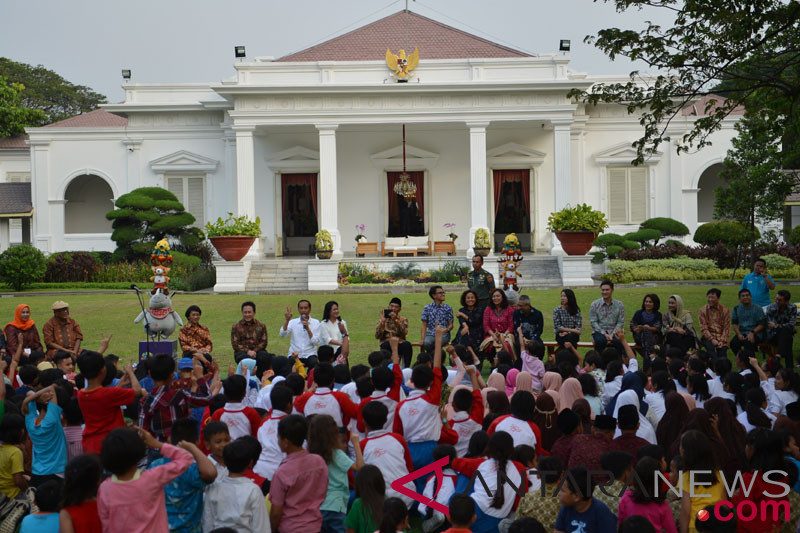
(304, 333)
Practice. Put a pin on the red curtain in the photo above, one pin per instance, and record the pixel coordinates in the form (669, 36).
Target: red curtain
(512, 175)
(418, 178)
(287, 180)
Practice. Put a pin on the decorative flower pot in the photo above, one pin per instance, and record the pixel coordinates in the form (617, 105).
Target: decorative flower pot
(576, 242)
(483, 252)
(324, 254)
(232, 248)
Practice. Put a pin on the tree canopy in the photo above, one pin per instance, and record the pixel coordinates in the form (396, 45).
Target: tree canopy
(747, 51)
(47, 91)
(14, 116)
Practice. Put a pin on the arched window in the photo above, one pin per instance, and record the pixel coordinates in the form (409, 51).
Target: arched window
(708, 183)
(88, 199)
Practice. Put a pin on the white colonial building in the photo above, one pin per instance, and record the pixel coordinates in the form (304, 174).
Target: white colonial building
(314, 140)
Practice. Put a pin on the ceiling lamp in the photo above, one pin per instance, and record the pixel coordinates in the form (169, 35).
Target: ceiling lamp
(405, 187)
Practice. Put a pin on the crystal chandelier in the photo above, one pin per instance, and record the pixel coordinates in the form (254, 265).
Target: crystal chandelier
(405, 187)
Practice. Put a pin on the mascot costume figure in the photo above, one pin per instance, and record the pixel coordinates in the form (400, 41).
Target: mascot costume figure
(160, 319)
(511, 256)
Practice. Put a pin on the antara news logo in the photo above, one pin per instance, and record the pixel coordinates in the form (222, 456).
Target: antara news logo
(747, 510)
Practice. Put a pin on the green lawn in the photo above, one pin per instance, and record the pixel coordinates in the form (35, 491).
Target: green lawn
(114, 313)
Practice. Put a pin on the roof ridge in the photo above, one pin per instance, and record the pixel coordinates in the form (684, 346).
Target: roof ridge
(464, 32)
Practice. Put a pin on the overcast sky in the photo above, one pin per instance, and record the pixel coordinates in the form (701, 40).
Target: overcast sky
(90, 41)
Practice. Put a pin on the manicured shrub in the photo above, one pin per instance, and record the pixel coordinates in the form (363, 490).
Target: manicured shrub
(673, 242)
(644, 236)
(608, 239)
(778, 262)
(669, 227)
(794, 236)
(613, 250)
(727, 232)
(194, 280)
(22, 265)
(631, 245)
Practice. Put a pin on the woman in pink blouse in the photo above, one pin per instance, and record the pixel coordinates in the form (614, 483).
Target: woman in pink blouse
(498, 324)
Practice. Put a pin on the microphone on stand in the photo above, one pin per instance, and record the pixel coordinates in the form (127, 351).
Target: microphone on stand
(134, 287)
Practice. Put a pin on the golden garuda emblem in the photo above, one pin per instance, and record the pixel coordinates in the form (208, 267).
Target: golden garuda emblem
(401, 65)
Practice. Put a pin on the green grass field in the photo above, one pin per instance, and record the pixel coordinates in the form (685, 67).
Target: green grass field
(114, 313)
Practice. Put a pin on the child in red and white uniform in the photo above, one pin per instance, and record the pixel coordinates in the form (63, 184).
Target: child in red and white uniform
(519, 423)
(271, 455)
(495, 505)
(433, 518)
(241, 420)
(324, 400)
(387, 383)
(417, 417)
(388, 451)
(468, 417)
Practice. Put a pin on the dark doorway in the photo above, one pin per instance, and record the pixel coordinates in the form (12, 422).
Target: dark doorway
(299, 209)
(406, 215)
(512, 206)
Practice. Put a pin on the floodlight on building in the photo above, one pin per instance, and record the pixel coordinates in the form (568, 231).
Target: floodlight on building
(563, 45)
(126, 74)
(239, 51)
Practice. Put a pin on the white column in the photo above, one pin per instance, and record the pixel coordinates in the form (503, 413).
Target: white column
(478, 181)
(222, 202)
(40, 194)
(5, 235)
(562, 173)
(246, 181)
(328, 201)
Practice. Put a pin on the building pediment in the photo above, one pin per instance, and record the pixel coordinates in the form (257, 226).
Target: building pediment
(513, 154)
(295, 159)
(183, 161)
(622, 154)
(416, 158)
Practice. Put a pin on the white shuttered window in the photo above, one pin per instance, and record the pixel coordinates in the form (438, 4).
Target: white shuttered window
(190, 191)
(627, 195)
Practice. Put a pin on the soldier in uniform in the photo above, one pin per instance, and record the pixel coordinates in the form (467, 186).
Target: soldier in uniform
(480, 281)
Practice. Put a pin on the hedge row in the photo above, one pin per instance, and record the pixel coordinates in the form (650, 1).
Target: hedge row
(683, 268)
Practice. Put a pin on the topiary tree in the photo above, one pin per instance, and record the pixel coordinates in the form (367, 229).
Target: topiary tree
(727, 232)
(669, 227)
(21, 266)
(147, 215)
(645, 237)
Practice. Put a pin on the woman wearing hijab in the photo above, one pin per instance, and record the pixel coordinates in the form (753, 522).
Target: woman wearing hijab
(668, 430)
(25, 326)
(496, 381)
(679, 326)
(524, 382)
(545, 415)
(511, 381)
(485, 393)
(551, 381)
(569, 392)
(645, 430)
(630, 381)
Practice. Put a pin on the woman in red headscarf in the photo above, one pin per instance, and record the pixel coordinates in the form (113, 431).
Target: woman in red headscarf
(22, 324)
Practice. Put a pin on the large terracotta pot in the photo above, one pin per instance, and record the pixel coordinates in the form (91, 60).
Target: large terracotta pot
(576, 242)
(232, 248)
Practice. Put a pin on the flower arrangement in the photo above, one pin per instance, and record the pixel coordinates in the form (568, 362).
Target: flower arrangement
(360, 229)
(482, 239)
(450, 226)
(324, 241)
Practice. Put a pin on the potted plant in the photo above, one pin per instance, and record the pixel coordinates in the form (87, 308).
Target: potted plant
(360, 237)
(577, 227)
(451, 235)
(324, 244)
(233, 236)
(482, 244)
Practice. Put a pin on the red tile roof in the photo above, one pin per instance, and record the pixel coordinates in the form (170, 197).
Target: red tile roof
(434, 39)
(699, 107)
(99, 118)
(14, 143)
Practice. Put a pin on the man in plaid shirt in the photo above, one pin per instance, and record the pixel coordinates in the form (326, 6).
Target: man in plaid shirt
(165, 404)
